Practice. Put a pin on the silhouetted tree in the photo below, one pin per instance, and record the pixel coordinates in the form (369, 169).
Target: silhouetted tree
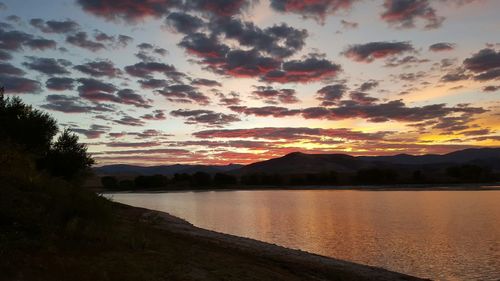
(126, 184)
(224, 179)
(376, 176)
(33, 131)
(468, 172)
(29, 128)
(201, 179)
(68, 158)
(109, 182)
(154, 181)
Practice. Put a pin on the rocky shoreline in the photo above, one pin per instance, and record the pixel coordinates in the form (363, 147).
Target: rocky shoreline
(276, 260)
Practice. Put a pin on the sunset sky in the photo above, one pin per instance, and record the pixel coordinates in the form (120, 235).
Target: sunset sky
(218, 81)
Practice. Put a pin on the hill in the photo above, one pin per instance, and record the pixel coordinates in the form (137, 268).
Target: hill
(167, 170)
(297, 162)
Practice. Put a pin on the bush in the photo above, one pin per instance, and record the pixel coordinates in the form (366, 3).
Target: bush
(109, 182)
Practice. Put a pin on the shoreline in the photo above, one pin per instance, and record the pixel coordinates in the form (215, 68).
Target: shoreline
(301, 264)
(408, 187)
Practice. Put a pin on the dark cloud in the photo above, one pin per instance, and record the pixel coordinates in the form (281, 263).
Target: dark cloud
(207, 48)
(5, 56)
(491, 88)
(72, 104)
(316, 9)
(147, 69)
(128, 96)
(349, 24)
(155, 115)
(219, 8)
(484, 60)
(145, 46)
(363, 107)
(19, 85)
(485, 63)
(331, 94)
(127, 10)
(404, 13)
(96, 90)
(184, 94)
(60, 83)
(135, 10)
(239, 63)
(488, 75)
(277, 41)
(310, 69)
(376, 50)
(132, 144)
(41, 44)
(81, 40)
(368, 85)
(362, 98)
(232, 98)
(207, 117)
(438, 47)
(9, 69)
(412, 76)
(391, 110)
(206, 82)
(290, 133)
(53, 26)
(99, 68)
(153, 83)
(14, 19)
(124, 40)
(120, 41)
(14, 40)
(48, 66)
(266, 111)
(275, 96)
(184, 23)
(94, 132)
(455, 75)
(395, 61)
(129, 121)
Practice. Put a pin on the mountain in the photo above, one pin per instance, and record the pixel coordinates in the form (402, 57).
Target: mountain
(302, 163)
(298, 162)
(168, 170)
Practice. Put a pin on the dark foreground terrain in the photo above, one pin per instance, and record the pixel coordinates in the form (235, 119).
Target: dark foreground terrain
(156, 246)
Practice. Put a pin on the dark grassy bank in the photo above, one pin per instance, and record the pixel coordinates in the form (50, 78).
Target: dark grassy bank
(54, 230)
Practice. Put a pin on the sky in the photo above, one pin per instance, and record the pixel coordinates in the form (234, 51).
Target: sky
(151, 82)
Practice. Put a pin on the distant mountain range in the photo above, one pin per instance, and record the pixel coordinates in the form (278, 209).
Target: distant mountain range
(301, 163)
(168, 170)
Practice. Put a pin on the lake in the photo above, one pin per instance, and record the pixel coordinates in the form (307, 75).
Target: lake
(443, 235)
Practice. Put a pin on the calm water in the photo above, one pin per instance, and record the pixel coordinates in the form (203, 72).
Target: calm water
(443, 235)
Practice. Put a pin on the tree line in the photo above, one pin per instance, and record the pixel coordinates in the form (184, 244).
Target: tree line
(465, 173)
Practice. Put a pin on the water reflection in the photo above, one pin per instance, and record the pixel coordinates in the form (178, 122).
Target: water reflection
(447, 235)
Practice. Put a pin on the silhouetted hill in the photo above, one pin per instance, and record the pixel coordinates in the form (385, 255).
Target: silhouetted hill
(123, 169)
(297, 162)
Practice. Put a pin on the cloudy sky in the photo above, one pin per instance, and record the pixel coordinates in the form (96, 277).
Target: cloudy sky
(220, 81)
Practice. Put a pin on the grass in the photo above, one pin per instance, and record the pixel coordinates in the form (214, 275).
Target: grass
(53, 230)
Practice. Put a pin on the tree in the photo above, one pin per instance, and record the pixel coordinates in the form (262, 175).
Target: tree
(224, 179)
(201, 179)
(67, 158)
(109, 182)
(22, 125)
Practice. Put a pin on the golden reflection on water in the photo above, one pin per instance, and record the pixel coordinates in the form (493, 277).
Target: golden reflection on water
(443, 235)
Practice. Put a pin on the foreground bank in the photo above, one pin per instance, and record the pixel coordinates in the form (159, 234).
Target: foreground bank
(152, 245)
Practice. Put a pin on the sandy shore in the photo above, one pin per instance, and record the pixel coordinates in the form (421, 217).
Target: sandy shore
(257, 258)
